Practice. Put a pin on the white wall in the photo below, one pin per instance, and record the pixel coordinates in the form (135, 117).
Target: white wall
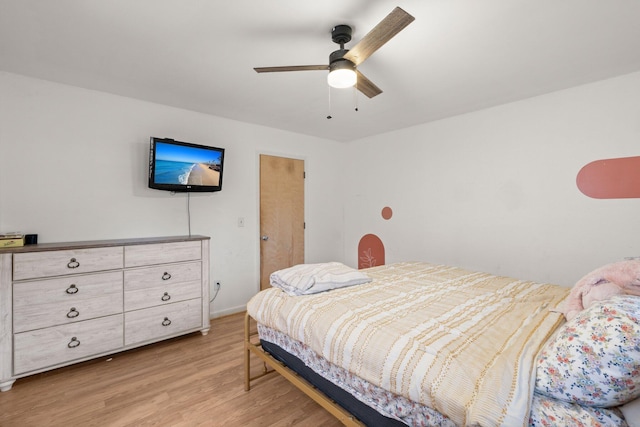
(495, 190)
(492, 190)
(73, 167)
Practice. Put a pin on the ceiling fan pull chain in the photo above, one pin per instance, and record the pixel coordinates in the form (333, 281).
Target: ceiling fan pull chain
(329, 115)
(355, 95)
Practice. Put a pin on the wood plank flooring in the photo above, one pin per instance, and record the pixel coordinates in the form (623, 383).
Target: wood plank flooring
(193, 380)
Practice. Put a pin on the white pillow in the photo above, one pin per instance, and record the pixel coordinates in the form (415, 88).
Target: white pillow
(305, 279)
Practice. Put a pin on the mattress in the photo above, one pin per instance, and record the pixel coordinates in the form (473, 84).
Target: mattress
(356, 407)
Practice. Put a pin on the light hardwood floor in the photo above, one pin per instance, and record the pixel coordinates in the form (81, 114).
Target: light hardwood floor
(193, 380)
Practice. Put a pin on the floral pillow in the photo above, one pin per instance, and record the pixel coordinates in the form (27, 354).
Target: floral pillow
(594, 359)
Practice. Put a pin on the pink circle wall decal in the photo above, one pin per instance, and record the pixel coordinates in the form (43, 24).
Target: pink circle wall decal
(387, 213)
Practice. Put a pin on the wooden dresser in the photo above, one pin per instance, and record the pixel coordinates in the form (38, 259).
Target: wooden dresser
(63, 303)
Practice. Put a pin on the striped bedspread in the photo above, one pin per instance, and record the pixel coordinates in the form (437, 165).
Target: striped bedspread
(461, 342)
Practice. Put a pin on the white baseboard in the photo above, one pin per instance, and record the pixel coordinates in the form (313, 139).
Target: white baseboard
(232, 310)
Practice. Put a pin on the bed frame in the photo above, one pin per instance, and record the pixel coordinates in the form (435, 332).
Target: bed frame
(271, 365)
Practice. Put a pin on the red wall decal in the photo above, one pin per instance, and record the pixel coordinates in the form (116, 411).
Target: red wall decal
(370, 251)
(611, 178)
(387, 213)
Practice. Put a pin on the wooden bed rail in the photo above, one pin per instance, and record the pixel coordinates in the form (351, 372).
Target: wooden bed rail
(276, 366)
(250, 346)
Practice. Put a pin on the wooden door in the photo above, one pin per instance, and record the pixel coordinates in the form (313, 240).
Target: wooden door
(281, 215)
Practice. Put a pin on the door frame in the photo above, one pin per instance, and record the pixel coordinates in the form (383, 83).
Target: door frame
(257, 226)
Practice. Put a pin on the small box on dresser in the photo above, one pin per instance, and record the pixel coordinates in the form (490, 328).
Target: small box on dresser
(65, 303)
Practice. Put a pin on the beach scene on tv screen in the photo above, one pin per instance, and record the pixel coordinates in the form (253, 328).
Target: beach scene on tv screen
(178, 164)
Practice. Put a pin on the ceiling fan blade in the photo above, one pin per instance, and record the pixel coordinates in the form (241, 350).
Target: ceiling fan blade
(366, 86)
(386, 29)
(291, 68)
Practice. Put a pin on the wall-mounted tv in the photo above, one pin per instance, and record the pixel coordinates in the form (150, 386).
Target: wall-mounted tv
(184, 167)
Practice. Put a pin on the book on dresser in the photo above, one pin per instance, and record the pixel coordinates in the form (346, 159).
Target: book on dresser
(63, 303)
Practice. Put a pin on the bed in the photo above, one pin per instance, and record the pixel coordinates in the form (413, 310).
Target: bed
(422, 344)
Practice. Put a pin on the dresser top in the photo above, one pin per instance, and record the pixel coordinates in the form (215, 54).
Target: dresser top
(41, 247)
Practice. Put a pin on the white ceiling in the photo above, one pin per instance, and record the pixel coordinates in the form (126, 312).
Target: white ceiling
(457, 56)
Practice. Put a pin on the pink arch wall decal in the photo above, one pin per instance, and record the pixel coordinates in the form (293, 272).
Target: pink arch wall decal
(370, 251)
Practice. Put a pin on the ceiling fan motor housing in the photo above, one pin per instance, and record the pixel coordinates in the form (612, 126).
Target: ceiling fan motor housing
(341, 34)
(337, 55)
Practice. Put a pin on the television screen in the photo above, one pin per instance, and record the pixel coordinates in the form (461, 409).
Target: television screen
(183, 166)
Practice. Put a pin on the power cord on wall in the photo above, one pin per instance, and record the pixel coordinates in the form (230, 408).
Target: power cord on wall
(217, 289)
(173, 193)
(189, 212)
(217, 284)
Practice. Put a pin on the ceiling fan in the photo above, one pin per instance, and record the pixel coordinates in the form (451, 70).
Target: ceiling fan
(343, 62)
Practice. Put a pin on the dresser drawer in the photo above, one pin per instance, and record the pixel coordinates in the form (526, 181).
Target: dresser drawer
(141, 278)
(50, 302)
(34, 265)
(160, 295)
(61, 344)
(156, 322)
(161, 253)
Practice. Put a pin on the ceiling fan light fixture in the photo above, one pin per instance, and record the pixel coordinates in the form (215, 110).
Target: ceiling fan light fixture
(343, 62)
(342, 74)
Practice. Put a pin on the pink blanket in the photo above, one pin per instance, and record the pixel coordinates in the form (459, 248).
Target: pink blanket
(612, 279)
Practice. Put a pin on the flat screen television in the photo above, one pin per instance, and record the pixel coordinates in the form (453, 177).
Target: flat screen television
(184, 167)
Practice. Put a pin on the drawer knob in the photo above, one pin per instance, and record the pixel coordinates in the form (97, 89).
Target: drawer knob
(166, 297)
(166, 276)
(72, 289)
(73, 263)
(75, 342)
(166, 322)
(73, 313)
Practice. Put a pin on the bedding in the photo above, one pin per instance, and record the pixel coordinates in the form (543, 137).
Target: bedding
(344, 387)
(622, 277)
(460, 342)
(594, 359)
(434, 345)
(306, 279)
(549, 412)
(385, 403)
